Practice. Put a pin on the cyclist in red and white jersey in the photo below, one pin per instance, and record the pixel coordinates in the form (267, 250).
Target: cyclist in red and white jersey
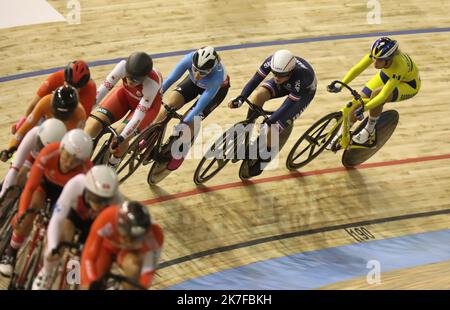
(81, 200)
(139, 94)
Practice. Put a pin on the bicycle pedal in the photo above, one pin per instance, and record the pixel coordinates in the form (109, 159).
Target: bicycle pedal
(366, 145)
(335, 146)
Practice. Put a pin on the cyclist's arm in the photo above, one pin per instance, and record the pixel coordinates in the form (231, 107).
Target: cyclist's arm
(31, 121)
(362, 65)
(385, 92)
(78, 117)
(52, 82)
(22, 153)
(177, 72)
(259, 76)
(25, 148)
(150, 90)
(113, 77)
(32, 104)
(204, 100)
(151, 258)
(101, 228)
(68, 198)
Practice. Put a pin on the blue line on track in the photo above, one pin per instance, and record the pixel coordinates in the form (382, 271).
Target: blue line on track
(239, 46)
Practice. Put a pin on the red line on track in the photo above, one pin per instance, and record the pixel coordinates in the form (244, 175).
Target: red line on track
(292, 175)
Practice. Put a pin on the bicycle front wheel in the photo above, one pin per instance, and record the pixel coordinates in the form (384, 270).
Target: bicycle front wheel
(102, 156)
(218, 155)
(313, 141)
(138, 152)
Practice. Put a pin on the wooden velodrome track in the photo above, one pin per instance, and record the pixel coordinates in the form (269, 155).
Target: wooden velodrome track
(409, 176)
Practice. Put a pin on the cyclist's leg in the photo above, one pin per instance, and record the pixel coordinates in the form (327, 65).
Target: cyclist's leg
(181, 94)
(262, 94)
(285, 115)
(146, 121)
(370, 90)
(194, 127)
(271, 90)
(403, 91)
(20, 232)
(16, 176)
(215, 102)
(110, 110)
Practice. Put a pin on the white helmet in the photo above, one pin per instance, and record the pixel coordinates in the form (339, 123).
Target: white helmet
(283, 61)
(102, 181)
(205, 59)
(77, 143)
(51, 130)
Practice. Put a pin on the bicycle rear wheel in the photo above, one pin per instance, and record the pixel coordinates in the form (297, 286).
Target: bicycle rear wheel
(219, 154)
(247, 163)
(313, 141)
(385, 127)
(139, 152)
(5, 238)
(158, 172)
(8, 209)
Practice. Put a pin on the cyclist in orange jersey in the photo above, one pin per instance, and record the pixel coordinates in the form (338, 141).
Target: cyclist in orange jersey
(76, 74)
(62, 104)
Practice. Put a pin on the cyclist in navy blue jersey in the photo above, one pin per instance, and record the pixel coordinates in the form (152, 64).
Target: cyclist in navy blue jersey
(292, 77)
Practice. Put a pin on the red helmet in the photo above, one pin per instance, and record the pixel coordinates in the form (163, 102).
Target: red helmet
(77, 73)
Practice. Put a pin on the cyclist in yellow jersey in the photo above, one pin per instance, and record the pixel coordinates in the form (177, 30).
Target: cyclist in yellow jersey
(398, 80)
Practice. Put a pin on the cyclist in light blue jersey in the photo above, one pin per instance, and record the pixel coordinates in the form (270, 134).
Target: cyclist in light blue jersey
(206, 77)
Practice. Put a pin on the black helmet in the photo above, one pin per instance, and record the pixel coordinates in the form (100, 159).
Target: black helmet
(139, 65)
(64, 102)
(133, 220)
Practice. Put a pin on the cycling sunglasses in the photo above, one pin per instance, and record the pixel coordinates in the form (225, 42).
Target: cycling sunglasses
(281, 74)
(91, 197)
(201, 72)
(136, 79)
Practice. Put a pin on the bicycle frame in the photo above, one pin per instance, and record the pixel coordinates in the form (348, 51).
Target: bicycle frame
(40, 226)
(345, 141)
(257, 112)
(74, 252)
(105, 129)
(171, 113)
